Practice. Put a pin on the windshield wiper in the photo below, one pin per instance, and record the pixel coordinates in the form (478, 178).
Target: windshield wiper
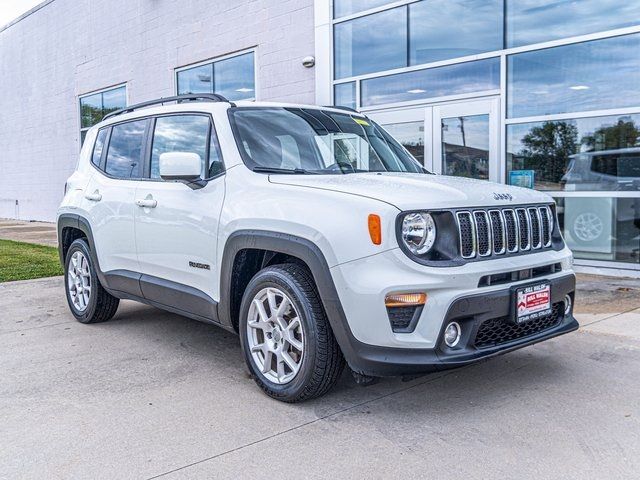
(298, 171)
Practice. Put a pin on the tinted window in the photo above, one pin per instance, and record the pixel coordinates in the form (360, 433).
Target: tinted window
(180, 133)
(371, 44)
(94, 107)
(124, 156)
(434, 82)
(344, 94)
(232, 77)
(600, 74)
(585, 154)
(342, 8)
(196, 80)
(442, 29)
(533, 21)
(97, 148)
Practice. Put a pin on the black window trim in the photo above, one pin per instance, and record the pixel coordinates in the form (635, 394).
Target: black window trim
(145, 171)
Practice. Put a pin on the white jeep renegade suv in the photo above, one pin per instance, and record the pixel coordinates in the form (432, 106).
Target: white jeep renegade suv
(314, 235)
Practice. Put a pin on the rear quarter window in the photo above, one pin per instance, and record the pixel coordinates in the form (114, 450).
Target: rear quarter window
(98, 147)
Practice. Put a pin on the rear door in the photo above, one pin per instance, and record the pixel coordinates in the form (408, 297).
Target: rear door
(110, 194)
(177, 236)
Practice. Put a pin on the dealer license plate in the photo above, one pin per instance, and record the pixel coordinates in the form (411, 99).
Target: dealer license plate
(532, 302)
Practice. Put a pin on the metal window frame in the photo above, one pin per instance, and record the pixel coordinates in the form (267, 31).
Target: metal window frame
(325, 81)
(211, 61)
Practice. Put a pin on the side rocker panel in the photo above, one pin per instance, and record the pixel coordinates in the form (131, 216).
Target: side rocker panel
(125, 284)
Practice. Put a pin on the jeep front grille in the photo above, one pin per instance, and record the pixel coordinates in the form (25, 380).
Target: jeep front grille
(483, 233)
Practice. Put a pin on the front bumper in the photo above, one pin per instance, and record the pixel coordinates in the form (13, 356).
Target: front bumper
(470, 312)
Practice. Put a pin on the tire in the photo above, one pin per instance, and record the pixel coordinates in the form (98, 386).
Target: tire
(96, 305)
(319, 363)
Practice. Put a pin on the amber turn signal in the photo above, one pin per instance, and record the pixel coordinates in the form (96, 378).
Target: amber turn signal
(405, 299)
(375, 229)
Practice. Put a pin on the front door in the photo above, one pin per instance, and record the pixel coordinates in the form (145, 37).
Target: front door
(177, 226)
(459, 139)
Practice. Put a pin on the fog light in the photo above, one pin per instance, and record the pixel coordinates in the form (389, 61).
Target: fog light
(567, 304)
(452, 334)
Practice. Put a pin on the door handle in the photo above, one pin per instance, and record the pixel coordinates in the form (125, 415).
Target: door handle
(147, 202)
(94, 197)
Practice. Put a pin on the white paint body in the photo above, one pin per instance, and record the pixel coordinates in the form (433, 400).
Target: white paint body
(330, 211)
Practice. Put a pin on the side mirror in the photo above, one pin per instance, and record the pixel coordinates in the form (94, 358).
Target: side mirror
(180, 166)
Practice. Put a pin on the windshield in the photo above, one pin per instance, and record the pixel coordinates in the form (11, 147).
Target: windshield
(300, 140)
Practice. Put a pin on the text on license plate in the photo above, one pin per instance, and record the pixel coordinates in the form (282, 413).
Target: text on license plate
(533, 302)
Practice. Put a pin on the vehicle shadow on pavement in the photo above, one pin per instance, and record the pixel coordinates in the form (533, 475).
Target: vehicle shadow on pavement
(491, 382)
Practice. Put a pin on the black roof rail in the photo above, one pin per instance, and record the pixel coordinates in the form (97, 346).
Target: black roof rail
(210, 97)
(340, 107)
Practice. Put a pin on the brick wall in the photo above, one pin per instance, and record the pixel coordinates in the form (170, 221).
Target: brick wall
(72, 47)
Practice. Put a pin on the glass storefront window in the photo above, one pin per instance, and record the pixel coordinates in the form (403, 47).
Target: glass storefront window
(342, 8)
(371, 44)
(233, 77)
(344, 94)
(586, 154)
(601, 228)
(94, 107)
(410, 135)
(443, 29)
(478, 76)
(534, 21)
(600, 74)
(465, 146)
(196, 80)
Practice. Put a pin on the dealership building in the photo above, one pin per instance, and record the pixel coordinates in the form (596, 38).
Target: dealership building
(544, 94)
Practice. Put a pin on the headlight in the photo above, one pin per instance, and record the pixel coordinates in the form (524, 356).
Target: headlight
(418, 232)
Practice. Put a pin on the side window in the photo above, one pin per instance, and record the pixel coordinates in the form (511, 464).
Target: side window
(125, 149)
(215, 158)
(179, 133)
(98, 146)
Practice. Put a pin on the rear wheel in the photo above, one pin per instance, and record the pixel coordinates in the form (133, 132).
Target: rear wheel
(88, 300)
(286, 339)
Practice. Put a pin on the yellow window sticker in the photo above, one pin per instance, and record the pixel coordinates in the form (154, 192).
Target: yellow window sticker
(361, 121)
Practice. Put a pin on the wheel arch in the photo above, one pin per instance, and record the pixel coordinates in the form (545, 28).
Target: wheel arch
(68, 224)
(293, 246)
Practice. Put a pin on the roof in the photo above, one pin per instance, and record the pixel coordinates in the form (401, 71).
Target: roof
(25, 15)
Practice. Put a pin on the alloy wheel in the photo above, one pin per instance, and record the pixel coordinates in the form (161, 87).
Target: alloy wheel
(79, 281)
(275, 335)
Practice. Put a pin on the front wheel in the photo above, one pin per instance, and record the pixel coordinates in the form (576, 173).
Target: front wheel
(286, 338)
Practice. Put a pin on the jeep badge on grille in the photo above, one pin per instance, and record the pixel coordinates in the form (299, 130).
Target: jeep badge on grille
(502, 196)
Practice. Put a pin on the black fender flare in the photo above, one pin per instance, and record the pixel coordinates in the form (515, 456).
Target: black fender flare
(298, 247)
(72, 220)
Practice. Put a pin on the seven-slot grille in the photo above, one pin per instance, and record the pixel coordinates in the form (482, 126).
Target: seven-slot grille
(509, 230)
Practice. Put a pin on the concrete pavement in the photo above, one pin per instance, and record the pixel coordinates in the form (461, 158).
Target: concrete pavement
(43, 233)
(150, 394)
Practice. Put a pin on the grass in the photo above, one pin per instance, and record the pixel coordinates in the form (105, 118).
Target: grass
(24, 261)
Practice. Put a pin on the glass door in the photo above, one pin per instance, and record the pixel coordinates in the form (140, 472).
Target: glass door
(451, 139)
(412, 128)
(465, 139)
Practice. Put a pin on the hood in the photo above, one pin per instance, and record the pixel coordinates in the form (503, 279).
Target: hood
(410, 191)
